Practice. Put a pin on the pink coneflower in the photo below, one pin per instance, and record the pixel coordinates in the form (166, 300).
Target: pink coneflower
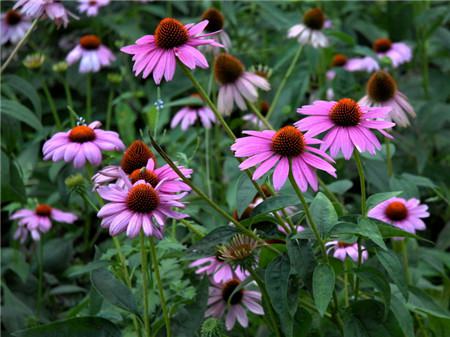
(382, 91)
(217, 268)
(253, 120)
(236, 84)
(13, 26)
(93, 54)
(343, 249)
(352, 64)
(38, 221)
(91, 7)
(158, 53)
(401, 213)
(348, 125)
(298, 229)
(138, 206)
(82, 143)
(216, 22)
(223, 298)
(397, 52)
(275, 148)
(53, 9)
(188, 115)
(310, 31)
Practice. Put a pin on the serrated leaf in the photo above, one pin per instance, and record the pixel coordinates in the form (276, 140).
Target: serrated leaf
(323, 286)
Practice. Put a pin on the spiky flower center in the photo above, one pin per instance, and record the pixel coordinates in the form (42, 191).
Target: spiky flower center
(314, 19)
(43, 210)
(136, 157)
(396, 211)
(346, 112)
(219, 256)
(382, 45)
(341, 244)
(90, 42)
(381, 86)
(93, 3)
(339, 60)
(170, 33)
(288, 142)
(228, 294)
(215, 19)
(142, 198)
(143, 174)
(81, 134)
(13, 17)
(227, 68)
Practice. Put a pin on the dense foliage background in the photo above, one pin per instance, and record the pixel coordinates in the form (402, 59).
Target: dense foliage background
(73, 254)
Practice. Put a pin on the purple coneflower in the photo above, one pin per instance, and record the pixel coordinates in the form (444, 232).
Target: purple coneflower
(91, 7)
(343, 249)
(93, 54)
(236, 84)
(13, 26)
(348, 125)
(382, 91)
(188, 115)
(216, 267)
(397, 52)
(53, 9)
(158, 53)
(401, 213)
(216, 22)
(352, 64)
(275, 148)
(138, 206)
(38, 221)
(82, 143)
(310, 31)
(223, 298)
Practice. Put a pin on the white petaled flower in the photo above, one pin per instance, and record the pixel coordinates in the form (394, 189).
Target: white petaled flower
(13, 26)
(310, 31)
(91, 7)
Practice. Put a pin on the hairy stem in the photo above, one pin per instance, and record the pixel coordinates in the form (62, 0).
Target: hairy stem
(144, 269)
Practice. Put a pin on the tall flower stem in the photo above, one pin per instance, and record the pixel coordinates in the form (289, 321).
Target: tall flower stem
(333, 197)
(207, 163)
(40, 276)
(144, 270)
(283, 82)
(19, 45)
(52, 105)
(346, 271)
(68, 98)
(109, 109)
(404, 252)
(160, 287)
(259, 115)
(266, 298)
(387, 142)
(88, 97)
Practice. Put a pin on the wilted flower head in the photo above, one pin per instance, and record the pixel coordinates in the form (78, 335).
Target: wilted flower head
(342, 249)
(382, 91)
(240, 251)
(216, 22)
(172, 40)
(53, 9)
(310, 31)
(91, 7)
(236, 84)
(188, 115)
(34, 61)
(13, 26)
(93, 54)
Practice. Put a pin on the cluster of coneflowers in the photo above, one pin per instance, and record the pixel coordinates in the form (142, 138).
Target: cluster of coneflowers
(141, 195)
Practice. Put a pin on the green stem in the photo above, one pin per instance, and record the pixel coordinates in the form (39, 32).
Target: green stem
(109, 109)
(19, 45)
(259, 115)
(265, 296)
(192, 228)
(387, 142)
(404, 251)
(332, 196)
(160, 286)
(346, 271)
(68, 98)
(144, 269)
(362, 181)
(158, 97)
(52, 105)
(40, 276)
(207, 163)
(88, 97)
(283, 82)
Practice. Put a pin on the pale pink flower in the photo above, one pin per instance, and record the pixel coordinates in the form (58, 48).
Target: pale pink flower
(397, 52)
(343, 249)
(310, 31)
(216, 22)
(53, 9)
(13, 26)
(91, 7)
(216, 267)
(188, 115)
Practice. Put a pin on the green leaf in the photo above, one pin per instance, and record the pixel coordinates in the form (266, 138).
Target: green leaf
(75, 271)
(402, 315)
(125, 118)
(348, 39)
(323, 213)
(14, 260)
(340, 186)
(394, 268)
(419, 181)
(20, 112)
(375, 199)
(208, 245)
(266, 255)
(74, 327)
(113, 290)
(421, 302)
(66, 289)
(323, 286)
(14, 311)
(57, 254)
(377, 279)
(275, 203)
(301, 257)
(12, 186)
(369, 229)
(244, 193)
(26, 89)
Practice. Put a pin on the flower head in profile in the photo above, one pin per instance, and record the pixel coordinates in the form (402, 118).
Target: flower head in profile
(93, 54)
(139, 163)
(348, 125)
(236, 84)
(82, 143)
(91, 7)
(404, 214)
(342, 249)
(397, 52)
(14, 26)
(382, 91)
(225, 301)
(240, 251)
(216, 23)
(188, 115)
(310, 31)
(172, 41)
(351, 64)
(138, 206)
(53, 9)
(269, 149)
(253, 120)
(38, 221)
